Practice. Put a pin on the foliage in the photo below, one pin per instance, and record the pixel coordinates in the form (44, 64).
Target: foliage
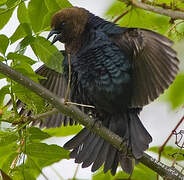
(23, 155)
(140, 172)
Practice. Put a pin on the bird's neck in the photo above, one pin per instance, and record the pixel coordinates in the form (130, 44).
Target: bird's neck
(101, 24)
(74, 44)
(94, 23)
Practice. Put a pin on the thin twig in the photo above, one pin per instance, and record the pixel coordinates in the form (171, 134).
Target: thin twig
(164, 5)
(28, 119)
(76, 171)
(161, 149)
(68, 87)
(169, 137)
(69, 79)
(173, 27)
(82, 105)
(44, 115)
(13, 98)
(174, 161)
(122, 15)
(57, 173)
(158, 10)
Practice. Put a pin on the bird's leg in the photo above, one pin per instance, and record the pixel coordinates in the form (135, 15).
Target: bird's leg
(69, 80)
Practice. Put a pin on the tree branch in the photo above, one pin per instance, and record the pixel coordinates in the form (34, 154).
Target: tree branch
(167, 12)
(96, 127)
(34, 118)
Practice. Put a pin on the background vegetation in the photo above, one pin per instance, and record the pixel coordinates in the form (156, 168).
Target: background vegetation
(23, 155)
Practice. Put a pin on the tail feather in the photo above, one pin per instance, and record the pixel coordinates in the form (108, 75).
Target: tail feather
(110, 158)
(88, 148)
(101, 156)
(77, 140)
(126, 163)
(115, 164)
(140, 138)
(93, 155)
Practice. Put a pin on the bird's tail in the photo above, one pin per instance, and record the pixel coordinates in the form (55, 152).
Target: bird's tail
(88, 148)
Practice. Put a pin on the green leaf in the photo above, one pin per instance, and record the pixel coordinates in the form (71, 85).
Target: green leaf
(19, 57)
(37, 10)
(8, 148)
(3, 91)
(47, 21)
(35, 134)
(7, 138)
(35, 103)
(48, 53)
(2, 76)
(63, 131)
(4, 42)
(7, 116)
(24, 172)
(25, 69)
(100, 175)
(6, 166)
(44, 154)
(25, 42)
(21, 31)
(22, 14)
(2, 2)
(52, 5)
(1, 59)
(55, 5)
(63, 3)
(142, 172)
(5, 15)
(175, 93)
(11, 3)
(137, 17)
(169, 152)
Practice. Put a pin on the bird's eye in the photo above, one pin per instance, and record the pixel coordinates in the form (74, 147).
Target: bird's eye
(62, 24)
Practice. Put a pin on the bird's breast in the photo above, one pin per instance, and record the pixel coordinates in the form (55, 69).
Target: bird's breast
(104, 74)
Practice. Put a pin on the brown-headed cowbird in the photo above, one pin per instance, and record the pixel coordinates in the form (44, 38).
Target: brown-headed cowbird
(118, 70)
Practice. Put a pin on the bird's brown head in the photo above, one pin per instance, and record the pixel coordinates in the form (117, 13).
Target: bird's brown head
(68, 24)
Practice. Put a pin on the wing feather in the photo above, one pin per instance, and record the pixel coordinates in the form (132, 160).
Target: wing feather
(155, 63)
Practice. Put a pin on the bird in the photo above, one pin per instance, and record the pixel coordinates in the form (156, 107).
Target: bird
(118, 70)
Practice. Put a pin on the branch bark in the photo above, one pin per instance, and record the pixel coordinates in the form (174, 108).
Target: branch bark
(167, 12)
(96, 127)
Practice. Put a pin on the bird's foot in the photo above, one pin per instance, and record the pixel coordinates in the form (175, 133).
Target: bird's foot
(95, 123)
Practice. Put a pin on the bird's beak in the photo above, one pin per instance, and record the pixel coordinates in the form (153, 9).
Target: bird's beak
(56, 37)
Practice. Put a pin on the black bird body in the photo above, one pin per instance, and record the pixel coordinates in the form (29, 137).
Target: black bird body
(102, 77)
(118, 70)
(103, 74)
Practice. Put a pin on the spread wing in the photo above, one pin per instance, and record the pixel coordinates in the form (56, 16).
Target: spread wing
(155, 64)
(56, 83)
